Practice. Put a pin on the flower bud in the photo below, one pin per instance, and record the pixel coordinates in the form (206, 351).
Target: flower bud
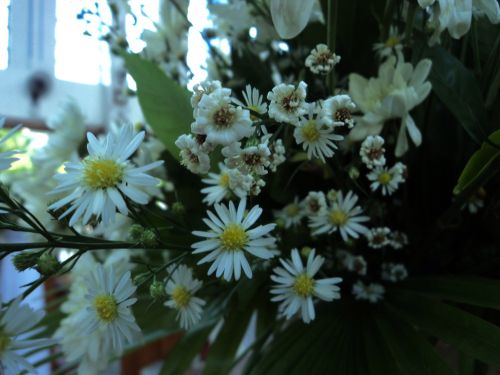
(135, 232)
(178, 208)
(26, 259)
(48, 264)
(149, 238)
(157, 290)
(305, 251)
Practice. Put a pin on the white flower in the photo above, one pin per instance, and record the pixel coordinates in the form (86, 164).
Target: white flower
(340, 107)
(475, 201)
(315, 203)
(287, 102)
(394, 272)
(221, 121)
(95, 185)
(372, 151)
(6, 158)
(230, 237)
(290, 17)
(181, 287)
(398, 240)
(109, 301)
(391, 46)
(17, 325)
(296, 286)
(277, 156)
(387, 179)
(372, 292)
(316, 137)
(206, 88)
(343, 215)
(356, 264)
(254, 101)
(291, 214)
(398, 89)
(321, 60)
(378, 237)
(251, 159)
(226, 182)
(192, 155)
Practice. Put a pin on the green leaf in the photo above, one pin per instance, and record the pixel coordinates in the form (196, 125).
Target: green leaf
(458, 89)
(165, 105)
(482, 164)
(413, 354)
(469, 290)
(223, 351)
(181, 356)
(464, 331)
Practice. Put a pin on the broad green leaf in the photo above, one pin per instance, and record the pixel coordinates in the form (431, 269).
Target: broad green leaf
(482, 163)
(469, 290)
(223, 351)
(464, 331)
(165, 105)
(413, 354)
(458, 89)
(181, 356)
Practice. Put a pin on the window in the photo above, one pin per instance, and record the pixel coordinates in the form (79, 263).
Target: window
(4, 34)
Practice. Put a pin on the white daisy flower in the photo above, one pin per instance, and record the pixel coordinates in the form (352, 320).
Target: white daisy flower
(17, 325)
(398, 240)
(392, 46)
(356, 264)
(220, 120)
(315, 203)
(95, 185)
(288, 102)
(343, 216)
(181, 287)
(109, 301)
(321, 60)
(252, 159)
(378, 237)
(291, 215)
(394, 272)
(372, 292)
(316, 137)
(226, 182)
(372, 151)
(230, 238)
(254, 101)
(6, 158)
(192, 155)
(387, 179)
(296, 286)
(340, 108)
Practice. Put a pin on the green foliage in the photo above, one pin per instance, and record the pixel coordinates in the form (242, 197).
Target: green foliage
(165, 104)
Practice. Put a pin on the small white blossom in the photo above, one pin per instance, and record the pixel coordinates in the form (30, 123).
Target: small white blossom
(398, 240)
(254, 101)
(181, 287)
(288, 102)
(192, 156)
(321, 60)
(340, 108)
(315, 203)
(356, 263)
(387, 179)
(394, 272)
(296, 286)
(475, 201)
(372, 151)
(226, 182)
(206, 88)
(392, 45)
(292, 214)
(378, 237)
(277, 156)
(372, 292)
(251, 159)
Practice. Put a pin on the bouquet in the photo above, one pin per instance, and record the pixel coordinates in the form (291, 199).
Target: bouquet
(330, 189)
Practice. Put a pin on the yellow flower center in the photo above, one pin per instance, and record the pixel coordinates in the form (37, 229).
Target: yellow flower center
(101, 174)
(303, 285)
(224, 180)
(310, 132)
(233, 238)
(338, 217)
(4, 341)
(392, 42)
(106, 307)
(384, 178)
(181, 296)
(292, 210)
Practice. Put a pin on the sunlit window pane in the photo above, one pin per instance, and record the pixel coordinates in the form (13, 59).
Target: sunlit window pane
(4, 34)
(78, 57)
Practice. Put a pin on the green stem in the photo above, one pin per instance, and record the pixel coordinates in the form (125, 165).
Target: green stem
(412, 11)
